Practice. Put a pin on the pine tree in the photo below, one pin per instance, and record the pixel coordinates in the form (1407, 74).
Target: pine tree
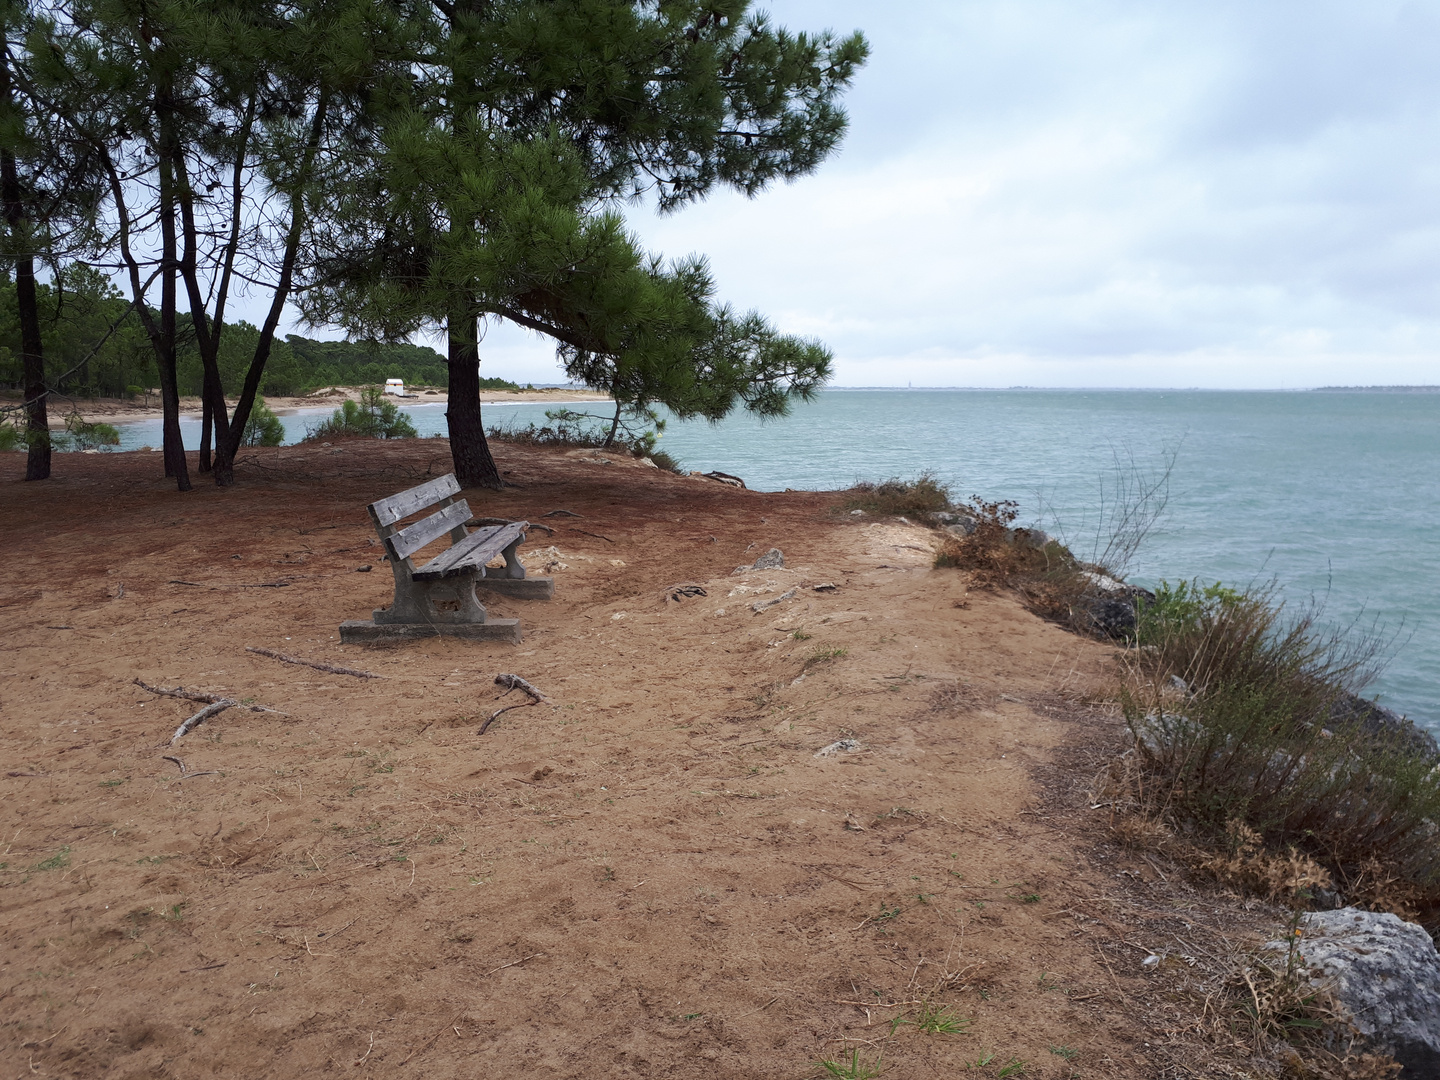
(494, 194)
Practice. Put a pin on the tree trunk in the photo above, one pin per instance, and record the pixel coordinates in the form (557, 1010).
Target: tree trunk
(205, 418)
(32, 354)
(468, 449)
(614, 426)
(175, 464)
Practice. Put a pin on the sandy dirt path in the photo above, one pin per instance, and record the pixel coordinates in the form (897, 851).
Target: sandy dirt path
(653, 874)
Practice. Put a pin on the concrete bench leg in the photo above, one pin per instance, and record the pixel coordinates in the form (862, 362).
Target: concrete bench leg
(416, 601)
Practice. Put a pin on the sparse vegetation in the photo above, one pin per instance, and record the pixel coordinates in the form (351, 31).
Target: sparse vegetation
(895, 497)
(853, 1068)
(570, 429)
(1240, 748)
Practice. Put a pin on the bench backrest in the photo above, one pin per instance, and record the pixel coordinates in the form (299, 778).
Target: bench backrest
(451, 516)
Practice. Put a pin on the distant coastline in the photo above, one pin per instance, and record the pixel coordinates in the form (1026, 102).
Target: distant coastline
(1377, 389)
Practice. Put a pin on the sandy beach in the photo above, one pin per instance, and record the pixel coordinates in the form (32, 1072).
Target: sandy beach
(764, 818)
(121, 411)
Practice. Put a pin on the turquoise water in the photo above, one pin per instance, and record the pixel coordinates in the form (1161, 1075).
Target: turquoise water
(1334, 495)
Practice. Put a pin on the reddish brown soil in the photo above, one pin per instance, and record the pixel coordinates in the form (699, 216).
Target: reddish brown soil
(651, 875)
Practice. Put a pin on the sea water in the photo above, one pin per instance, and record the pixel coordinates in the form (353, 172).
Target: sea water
(1333, 496)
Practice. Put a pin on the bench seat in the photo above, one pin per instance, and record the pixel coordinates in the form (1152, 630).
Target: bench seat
(474, 551)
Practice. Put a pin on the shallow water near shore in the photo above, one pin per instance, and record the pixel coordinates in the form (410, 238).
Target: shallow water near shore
(1334, 495)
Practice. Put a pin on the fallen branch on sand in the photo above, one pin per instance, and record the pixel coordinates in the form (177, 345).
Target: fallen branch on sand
(333, 669)
(185, 773)
(196, 695)
(511, 683)
(213, 709)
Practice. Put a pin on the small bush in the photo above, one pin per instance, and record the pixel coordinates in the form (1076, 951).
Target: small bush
(80, 434)
(12, 435)
(667, 462)
(263, 428)
(895, 497)
(372, 417)
(586, 431)
(1251, 754)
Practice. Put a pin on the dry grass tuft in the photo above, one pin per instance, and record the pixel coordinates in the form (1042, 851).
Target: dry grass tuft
(895, 497)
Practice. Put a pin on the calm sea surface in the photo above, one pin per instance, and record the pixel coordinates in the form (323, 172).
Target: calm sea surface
(1336, 496)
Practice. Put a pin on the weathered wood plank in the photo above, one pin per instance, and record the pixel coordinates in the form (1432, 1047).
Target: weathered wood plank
(414, 537)
(391, 509)
(477, 549)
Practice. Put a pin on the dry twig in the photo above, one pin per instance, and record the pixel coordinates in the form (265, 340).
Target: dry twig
(195, 695)
(333, 669)
(213, 709)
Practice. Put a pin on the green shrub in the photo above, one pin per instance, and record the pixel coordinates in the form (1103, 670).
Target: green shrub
(667, 462)
(12, 435)
(263, 428)
(1253, 739)
(372, 417)
(80, 434)
(890, 498)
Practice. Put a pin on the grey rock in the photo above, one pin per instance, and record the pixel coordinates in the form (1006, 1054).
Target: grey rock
(1112, 613)
(840, 746)
(773, 559)
(764, 605)
(1384, 724)
(1385, 973)
(949, 519)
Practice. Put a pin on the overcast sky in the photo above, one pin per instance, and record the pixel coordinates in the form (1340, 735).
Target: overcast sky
(1101, 193)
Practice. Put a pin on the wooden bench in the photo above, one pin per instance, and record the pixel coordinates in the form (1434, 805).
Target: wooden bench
(439, 597)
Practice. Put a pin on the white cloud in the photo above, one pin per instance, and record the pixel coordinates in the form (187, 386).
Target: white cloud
(1111, 193)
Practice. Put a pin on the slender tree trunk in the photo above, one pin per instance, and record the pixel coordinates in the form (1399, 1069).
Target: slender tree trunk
(175, 464)
(468, 448)
(614, 426)
(229, 445)
(32, 353)
(206, 415)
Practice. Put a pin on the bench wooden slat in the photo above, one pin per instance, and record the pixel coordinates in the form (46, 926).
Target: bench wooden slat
(389, 510)
(412, 538)
(477, 549)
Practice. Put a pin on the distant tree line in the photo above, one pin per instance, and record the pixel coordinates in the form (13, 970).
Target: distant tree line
(388, 167)
(80, 307)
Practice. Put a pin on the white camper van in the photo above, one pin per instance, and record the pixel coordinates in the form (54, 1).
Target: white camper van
(396, 387)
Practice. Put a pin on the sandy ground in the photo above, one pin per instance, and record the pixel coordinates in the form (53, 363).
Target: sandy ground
(121, 411)
(655, 874)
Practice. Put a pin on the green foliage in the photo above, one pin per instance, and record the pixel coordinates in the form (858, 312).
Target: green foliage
(263, 428)
(372, 417)
(493, 195)
(938, 1020)
(853, 1068)
(1181, 609)
(636, 431)
(80, 434)
(1254, 741)
(12, 432)
(923, 495)
(83, 355)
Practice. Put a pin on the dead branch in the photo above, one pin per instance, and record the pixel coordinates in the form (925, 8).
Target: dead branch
(560, 513)
(333, 669)
(213, 709)
(195, 695)
(598, 536)
(512, 683)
